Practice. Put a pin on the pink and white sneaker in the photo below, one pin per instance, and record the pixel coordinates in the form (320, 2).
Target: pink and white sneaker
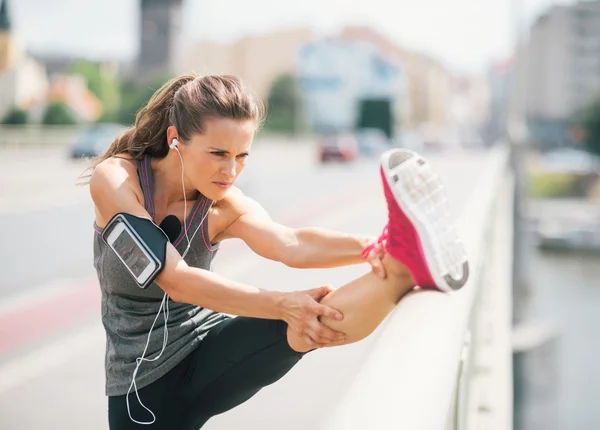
(420, 233)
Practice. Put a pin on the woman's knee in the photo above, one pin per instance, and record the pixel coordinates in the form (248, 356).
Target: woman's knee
(298, 343)
(301, 344)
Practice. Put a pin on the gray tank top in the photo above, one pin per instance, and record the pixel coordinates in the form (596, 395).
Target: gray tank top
(129, 311)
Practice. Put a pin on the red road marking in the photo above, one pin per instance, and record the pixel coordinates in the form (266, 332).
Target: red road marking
(22, 326)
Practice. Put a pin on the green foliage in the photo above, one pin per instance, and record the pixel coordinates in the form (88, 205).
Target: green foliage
(58, 113)
(103, 83)
(551, 185)
(16, 116)
(283, 105)
(590, 119)
(135, 95)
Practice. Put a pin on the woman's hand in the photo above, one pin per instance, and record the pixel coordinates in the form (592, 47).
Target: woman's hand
(375, 256)
(301, 311)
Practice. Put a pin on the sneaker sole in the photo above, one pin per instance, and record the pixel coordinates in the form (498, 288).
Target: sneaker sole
(420, 194)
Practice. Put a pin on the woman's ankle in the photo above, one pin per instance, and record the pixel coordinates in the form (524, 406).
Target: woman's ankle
(397, 271)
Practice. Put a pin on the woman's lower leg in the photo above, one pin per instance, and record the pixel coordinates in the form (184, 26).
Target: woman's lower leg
(364, 302)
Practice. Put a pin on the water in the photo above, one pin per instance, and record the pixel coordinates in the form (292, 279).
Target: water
(567, 294)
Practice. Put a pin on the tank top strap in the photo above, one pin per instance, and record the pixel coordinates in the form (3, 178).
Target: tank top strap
(196, 224)
(192, 221)
(144, 168)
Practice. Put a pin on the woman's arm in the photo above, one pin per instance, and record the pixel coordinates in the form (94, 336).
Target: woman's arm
(112, 190)
(310, 247)
(322, 248)
(207, 289)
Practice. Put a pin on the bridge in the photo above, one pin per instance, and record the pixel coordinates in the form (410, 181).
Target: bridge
(439, 361)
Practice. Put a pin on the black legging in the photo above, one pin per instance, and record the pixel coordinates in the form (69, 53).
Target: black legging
(234, 361)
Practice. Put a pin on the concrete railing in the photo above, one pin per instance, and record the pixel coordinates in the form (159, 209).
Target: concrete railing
(44, 136)
(437, 356)
(16, 137)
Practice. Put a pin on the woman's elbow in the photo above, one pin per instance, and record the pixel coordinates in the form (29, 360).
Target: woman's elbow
(172, 282)
(177, 295)
(295, 258)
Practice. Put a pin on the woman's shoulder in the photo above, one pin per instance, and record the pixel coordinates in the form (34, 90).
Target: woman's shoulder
(236, 203)
(114, 172)
(229, 209)
(121, 165)
(123, 160)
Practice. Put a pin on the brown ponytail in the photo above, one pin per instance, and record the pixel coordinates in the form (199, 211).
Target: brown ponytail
(185, 102)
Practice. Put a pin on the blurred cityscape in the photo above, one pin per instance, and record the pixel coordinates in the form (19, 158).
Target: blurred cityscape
(356, 78)
(335, 101)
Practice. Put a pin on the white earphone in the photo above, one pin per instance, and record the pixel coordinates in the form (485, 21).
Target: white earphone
(164, 305)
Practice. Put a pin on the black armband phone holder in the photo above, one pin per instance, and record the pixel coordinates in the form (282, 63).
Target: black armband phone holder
(140, 245)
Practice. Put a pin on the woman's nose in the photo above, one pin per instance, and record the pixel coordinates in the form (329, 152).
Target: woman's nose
(229, 168)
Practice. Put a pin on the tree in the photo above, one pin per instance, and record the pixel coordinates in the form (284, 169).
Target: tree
(283, 105)
(103, 83)
(58, 113)
(135, 95)
(591, 126)
(16, 116)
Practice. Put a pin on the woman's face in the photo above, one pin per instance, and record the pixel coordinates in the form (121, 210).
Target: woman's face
(214, 159)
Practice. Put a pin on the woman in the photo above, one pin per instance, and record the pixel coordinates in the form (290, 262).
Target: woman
(182, 157)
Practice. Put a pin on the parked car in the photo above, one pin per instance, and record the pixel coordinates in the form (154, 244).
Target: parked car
(372, 142)
(95, 140)
(410, 140)
(570, 161)
(337, 147)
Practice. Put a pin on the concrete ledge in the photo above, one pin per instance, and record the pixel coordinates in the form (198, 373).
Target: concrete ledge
(12, 137)
(489, 404)
(410, 377)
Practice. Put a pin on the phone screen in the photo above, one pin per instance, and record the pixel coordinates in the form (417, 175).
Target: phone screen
(131, 253)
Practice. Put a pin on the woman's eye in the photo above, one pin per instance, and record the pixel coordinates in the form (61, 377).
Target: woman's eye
(224, 154)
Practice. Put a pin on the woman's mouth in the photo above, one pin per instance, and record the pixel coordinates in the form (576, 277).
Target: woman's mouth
(223, 185)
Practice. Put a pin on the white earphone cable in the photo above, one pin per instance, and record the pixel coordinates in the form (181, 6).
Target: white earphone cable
(164, 304)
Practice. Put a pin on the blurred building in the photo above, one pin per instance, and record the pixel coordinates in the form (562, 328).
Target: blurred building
(23, 80)
(563, 69)
(339, 78)
(428, 83)
(258, 59)
(430, 92)
(160, 37)
(500, 78)
(470, 110)
(8, 47)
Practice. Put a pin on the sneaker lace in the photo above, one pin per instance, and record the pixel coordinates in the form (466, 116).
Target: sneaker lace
(382, 238)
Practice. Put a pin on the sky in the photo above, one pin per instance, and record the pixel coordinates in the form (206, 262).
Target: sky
(465, 34)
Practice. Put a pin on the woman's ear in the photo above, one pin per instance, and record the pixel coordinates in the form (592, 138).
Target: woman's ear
(171, 134)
